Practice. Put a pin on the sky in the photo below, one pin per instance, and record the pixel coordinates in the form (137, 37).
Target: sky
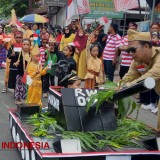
(143, 3)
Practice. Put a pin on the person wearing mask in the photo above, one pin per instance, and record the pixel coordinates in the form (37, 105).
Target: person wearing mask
(67, 38)
(110, 54)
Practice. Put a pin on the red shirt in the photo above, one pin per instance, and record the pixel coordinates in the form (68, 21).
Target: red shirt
(58, 38)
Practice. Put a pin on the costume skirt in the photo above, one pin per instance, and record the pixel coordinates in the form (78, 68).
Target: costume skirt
(12, 79)
(20, 89)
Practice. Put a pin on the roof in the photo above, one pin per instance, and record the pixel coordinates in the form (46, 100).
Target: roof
(41, 10)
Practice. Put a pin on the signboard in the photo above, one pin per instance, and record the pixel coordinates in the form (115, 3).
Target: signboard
(77, 119)
(58, 3)
(102, 8)
(143, 26)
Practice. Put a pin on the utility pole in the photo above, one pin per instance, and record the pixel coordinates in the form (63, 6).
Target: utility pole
(30, 6)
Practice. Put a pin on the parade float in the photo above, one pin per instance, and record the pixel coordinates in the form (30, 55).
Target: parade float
(73, 129)
(83, 123)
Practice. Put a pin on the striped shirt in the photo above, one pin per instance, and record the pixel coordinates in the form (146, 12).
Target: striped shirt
(42, 56)
(126, 58)
(113, 41)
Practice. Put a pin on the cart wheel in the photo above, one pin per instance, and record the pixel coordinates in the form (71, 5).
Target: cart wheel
(10, 122)
(14, 133)
(18, 140)
(22, 151)
(33, 157)
(27, 154)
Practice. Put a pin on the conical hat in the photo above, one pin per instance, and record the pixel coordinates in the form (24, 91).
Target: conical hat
(35, 51)
(29, 33)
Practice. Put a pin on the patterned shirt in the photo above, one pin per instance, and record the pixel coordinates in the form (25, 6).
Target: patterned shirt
(126, 58)
(113, 41)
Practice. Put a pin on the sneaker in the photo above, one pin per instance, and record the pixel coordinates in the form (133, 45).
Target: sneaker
(155, 110)
(150, 106)
(4, 90)
(143, 106)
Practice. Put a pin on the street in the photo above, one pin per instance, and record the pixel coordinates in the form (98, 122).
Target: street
(7, 101)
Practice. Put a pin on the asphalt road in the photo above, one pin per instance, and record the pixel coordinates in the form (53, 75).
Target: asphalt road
(7, 101)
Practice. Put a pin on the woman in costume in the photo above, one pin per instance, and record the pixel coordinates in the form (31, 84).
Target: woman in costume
(80, 54)
(35, 71)
(68, 37)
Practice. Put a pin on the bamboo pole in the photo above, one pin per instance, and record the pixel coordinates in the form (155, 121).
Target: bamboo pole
(124, 28)
(152, 12)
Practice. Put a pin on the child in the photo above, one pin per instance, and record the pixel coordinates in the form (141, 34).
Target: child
(50, 55)
(13, 54)
(67, 55)
(94, 66)
(43, 48)
(71, 81)
(22, 62)
(35, 72)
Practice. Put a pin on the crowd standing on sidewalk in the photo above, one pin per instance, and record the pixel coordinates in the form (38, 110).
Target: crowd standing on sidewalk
(32, 52)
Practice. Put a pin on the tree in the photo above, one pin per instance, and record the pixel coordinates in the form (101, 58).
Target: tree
(21, 7)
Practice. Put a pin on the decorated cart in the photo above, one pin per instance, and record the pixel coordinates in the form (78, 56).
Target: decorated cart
(78, 125)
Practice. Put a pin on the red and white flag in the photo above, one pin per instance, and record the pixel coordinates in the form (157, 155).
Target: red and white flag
(83, 6)
(103, 20)
(3, 64)
(71, 11)
(123, 5)
(17, 47)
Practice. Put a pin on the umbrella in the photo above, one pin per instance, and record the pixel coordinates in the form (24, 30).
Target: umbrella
(34, 18)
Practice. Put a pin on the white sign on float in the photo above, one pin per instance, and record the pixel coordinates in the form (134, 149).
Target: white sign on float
(82, 96)
(74, 146)
(53, 101)
(118, 157)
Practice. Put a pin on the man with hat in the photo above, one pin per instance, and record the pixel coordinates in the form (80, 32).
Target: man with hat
(146, 61)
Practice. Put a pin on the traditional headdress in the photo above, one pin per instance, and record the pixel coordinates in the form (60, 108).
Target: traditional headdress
(35, 51)
(138, 36)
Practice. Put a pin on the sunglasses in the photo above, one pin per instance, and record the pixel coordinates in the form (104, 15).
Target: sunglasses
(14, 26)
(66, 29)
(18, 37)
(132, 49)
(44, 42)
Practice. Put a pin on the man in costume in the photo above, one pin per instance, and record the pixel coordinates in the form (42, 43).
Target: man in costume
(146, 61)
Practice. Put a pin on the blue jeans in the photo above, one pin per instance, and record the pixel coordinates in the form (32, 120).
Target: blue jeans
(109, 69)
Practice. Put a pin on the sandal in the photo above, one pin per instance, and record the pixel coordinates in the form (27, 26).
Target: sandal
(4, 90)
(17, 102)
(45, 95)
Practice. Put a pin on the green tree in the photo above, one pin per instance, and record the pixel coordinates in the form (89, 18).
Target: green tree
(21, 7)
